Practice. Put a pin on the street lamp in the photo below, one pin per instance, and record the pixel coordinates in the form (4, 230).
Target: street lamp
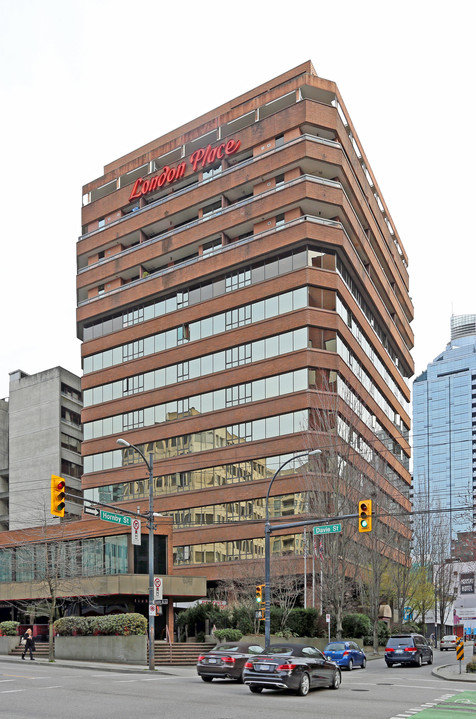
(267, 532)
(150, 525)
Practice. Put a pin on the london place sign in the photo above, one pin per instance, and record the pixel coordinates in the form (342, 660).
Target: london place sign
(199, 159)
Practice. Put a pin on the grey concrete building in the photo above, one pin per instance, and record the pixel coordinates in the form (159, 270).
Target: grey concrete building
(44, 438)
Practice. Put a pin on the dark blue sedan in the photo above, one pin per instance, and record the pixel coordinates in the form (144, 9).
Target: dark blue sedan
(346, 654)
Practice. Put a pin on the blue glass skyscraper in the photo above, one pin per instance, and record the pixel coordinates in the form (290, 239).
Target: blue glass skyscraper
(444, 428)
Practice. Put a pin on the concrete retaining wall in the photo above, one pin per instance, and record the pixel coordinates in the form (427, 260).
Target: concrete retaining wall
(122, 650)
(7, 644)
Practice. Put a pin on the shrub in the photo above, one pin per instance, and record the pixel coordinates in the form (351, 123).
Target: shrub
(111, 624)
(303, 622)
(356, 625)
(471, 667)
(8, 629)
(287, 633)
(228, 635)
(242, 619)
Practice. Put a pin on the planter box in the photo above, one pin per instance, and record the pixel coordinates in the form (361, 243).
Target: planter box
(120, 650)
(7, 644)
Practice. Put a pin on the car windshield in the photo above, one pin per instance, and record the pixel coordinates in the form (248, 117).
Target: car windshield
(335, 647)
(450, 638)
(400, 642)
(239, 648)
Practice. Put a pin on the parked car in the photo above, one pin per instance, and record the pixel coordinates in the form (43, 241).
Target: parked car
(298, 667)
(408, 649)
(346, 654)
(226, 661)
(448, 642)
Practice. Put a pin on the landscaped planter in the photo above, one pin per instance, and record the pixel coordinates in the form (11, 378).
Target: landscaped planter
(7, 644)
(130, 649)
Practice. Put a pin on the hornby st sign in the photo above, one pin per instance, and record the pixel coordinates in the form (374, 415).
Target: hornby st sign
(198, 160)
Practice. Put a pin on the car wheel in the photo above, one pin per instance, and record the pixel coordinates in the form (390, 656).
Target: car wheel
(430, 660)
(207, 679)
(336, 681)
(350, 665)
(364, 663)
(241, 678)
(255, 689)
(304, 685)
(418, 661)
(388, 665)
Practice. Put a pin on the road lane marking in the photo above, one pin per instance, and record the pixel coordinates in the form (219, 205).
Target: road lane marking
(12, 691)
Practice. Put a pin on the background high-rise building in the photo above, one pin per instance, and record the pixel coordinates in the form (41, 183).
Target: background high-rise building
(44, 438)
(243, 295)
(444, 428)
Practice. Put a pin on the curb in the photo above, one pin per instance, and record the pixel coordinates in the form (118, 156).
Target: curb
(443, 673)
(126, 669)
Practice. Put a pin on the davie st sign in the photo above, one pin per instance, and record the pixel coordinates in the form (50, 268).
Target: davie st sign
(199, 159)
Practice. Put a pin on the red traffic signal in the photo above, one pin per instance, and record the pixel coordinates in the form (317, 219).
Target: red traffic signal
(57, 496)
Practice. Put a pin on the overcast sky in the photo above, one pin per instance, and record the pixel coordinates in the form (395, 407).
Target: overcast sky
(84, 82)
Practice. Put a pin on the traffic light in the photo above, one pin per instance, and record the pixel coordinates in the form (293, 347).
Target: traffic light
(259, 593)
(365, 515)
(57, 496)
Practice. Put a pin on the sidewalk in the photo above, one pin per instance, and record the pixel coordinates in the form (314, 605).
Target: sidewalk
(450, 671)
(166, 670)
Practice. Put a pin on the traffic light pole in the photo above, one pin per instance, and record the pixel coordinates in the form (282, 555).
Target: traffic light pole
(150, 525)
(267, 558)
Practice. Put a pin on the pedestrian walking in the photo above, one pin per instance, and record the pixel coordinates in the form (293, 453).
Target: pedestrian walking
(29, 644)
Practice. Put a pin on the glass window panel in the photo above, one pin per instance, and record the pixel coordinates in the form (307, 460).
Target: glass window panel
(206, 327)
(194, 368)
(257, 274)
(259, 429)
(285, 264)
(170, 338)
(88, 364)
(194, 296)
(271, 306)
(286, 424)
(300, 298)
(171, 304)
(285, 303)
(218, 288)
(149, 416)
(159, 413)
(271, 269)
(219, 399)
(272, 386)
(159, 378)
(286, 383)
(258, 351)
(149, 381)
(218, 362)
(117, 424)
(88, 430)
(218, 324)
(194, 329)
(300, 338)
(286, 343)
(149, 345)
(97, 361)
(106, 426)
(116, 356)
(259, 390)
(159, 308)
(159, 342)
(272, 346)
(171, 374)
(207, 402)
(148, 312)
(301, 380)
(257, 311)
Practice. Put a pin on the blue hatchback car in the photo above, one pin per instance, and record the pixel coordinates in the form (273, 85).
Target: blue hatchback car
(346, 654)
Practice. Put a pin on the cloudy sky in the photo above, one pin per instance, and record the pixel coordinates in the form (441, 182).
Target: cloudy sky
(85, 81)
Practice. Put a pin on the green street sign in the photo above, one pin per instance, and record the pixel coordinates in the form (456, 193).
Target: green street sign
(327, 529)
(115, 518)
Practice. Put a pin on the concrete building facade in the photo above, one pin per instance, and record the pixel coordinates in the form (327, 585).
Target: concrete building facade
(235, 277)
(44, 438)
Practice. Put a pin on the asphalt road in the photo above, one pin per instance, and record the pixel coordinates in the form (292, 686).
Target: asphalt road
(37, 690)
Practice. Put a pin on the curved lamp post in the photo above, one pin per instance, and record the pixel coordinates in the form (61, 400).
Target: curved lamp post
(150, 525)
(267, 532)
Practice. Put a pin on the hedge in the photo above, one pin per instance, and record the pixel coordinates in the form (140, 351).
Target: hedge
(8, 629)
(111, 624)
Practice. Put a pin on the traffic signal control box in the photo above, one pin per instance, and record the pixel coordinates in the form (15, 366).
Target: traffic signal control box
(57, 496)
(365, 515)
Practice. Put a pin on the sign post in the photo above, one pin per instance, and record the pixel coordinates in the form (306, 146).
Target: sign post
(328, 620)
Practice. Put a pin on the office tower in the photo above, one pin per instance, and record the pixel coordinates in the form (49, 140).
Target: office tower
(231, 275)
(444, 427)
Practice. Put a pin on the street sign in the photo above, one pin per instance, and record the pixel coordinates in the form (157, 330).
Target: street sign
(136, 532)
(328, 618)
(327, 529)
(158, 588)
(115, 518)
(161, 602)
(91, 510)
(152, 610)
(460, 649)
